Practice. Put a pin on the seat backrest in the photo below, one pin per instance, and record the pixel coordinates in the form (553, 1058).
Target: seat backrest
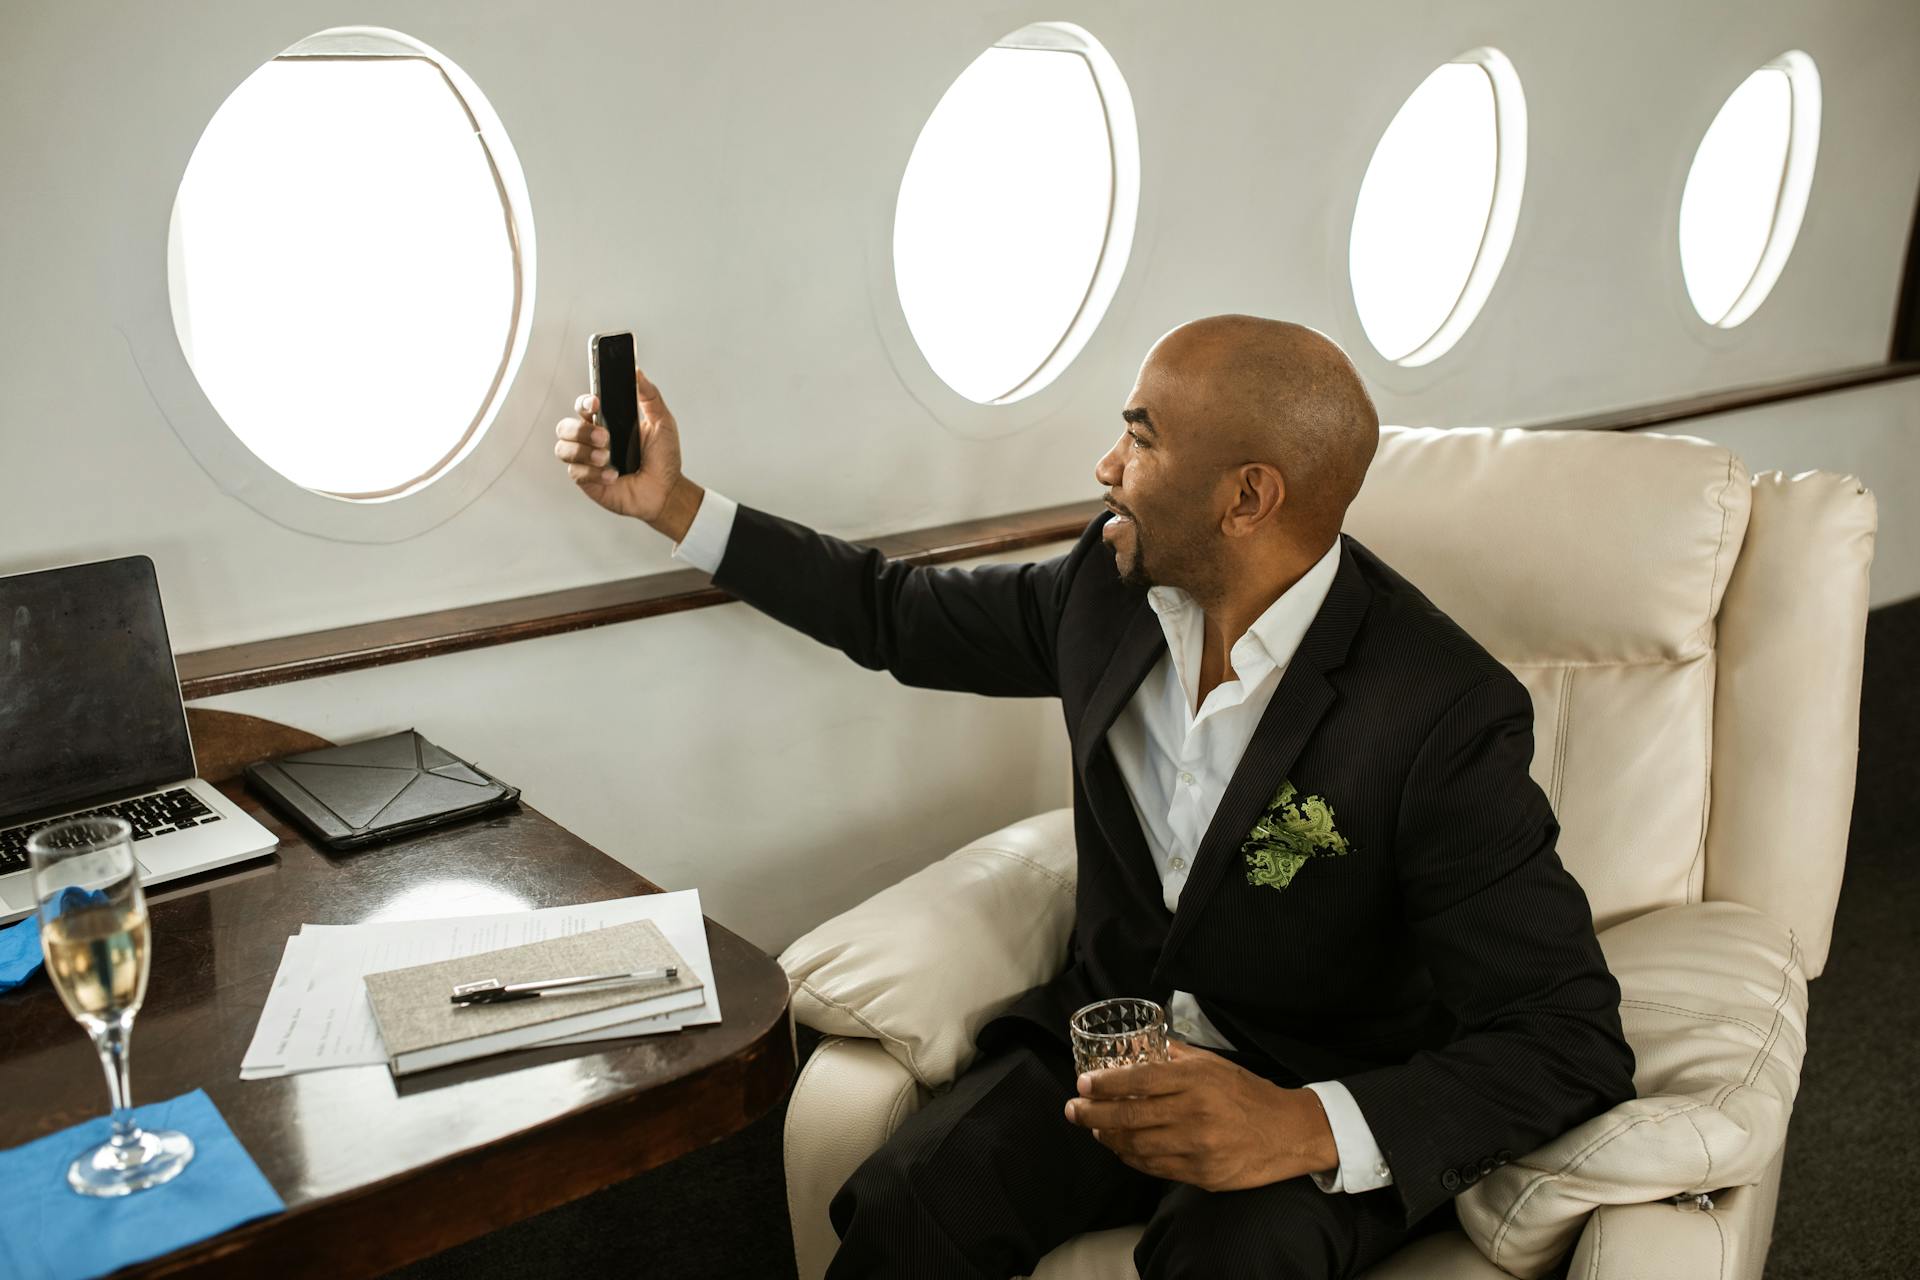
(1597, 567)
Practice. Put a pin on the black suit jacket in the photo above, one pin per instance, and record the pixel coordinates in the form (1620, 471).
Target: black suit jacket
(1445, 969)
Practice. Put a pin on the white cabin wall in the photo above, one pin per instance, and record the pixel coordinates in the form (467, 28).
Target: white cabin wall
(742, 242)
(1870, 432)
(717, 750)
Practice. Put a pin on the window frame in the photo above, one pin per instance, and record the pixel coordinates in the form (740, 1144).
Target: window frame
(372, 46)
(143, 305)
(1503, 212)
(1791, 196)
(1045, 390)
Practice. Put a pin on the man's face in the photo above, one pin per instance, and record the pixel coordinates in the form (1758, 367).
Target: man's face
(1159, 480)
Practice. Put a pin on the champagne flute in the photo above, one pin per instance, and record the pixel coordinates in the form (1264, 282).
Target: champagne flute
(93, 929)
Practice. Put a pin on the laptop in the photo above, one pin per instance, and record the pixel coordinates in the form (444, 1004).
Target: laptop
(91, 722)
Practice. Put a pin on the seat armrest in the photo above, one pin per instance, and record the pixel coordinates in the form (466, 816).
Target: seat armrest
(1714, 1004)
(849, 1099)
(924, 964)
(1728, 1241)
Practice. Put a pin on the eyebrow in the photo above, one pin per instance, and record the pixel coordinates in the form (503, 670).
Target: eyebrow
(1139, 418)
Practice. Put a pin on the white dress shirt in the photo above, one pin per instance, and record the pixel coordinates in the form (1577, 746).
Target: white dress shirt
(1176, 762)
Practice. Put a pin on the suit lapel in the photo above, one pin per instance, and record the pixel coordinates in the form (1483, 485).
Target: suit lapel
(1142, 642)
(1298, 703)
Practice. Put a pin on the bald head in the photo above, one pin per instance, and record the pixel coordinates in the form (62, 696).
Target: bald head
(1247, 389)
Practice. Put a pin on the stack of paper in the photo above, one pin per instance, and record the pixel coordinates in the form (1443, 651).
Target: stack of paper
(317, 1014)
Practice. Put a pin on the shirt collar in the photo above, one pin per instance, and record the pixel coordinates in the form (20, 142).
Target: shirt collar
(1270, 642)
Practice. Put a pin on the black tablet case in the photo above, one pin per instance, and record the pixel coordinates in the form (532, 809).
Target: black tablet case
(365, 792)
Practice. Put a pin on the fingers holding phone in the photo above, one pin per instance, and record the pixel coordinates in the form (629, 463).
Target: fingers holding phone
(631, 424)
(658, 435)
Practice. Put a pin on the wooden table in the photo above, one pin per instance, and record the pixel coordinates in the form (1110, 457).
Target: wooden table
(376, 1176)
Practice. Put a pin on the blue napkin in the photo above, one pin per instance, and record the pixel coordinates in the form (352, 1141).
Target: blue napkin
(49, 1232)
(19, 952)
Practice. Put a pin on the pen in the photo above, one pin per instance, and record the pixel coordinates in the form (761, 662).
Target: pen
(493, 991)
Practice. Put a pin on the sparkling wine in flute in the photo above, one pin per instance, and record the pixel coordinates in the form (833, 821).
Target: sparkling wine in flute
(97, 958)
(98, 947)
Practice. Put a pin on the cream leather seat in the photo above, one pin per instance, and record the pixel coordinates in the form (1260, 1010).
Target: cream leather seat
(1692, 637)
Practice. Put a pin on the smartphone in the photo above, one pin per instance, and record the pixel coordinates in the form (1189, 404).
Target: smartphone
(610, 373)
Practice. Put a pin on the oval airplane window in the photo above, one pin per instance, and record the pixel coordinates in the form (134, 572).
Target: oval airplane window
(1016, 213)
(1437, 208)
(345, 267)
(1747, 190)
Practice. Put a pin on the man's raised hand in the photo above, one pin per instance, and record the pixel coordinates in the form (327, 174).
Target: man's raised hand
(657, 493)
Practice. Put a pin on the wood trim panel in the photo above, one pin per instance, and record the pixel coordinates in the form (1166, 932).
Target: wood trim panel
(208, 672)
(1713, 402)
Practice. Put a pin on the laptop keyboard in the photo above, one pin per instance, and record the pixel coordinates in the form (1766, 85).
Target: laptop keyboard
(149, 816)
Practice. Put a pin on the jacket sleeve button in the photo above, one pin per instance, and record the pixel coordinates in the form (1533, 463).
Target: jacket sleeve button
(1487, 1166)
(1450, 1180)
(1503, 1155)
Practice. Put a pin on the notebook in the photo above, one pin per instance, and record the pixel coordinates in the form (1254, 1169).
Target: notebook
(354, 795)
(421, 1027)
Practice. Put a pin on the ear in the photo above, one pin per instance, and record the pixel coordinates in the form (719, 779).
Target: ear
(1259, 492)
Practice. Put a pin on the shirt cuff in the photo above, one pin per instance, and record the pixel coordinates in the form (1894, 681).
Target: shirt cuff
(1362, 1167)
(705, 545)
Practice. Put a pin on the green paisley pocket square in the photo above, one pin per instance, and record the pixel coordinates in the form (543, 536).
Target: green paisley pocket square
(1286, 835)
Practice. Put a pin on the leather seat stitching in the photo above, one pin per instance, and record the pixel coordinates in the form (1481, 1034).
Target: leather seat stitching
(1722, 1233)
(1038, 869)
(1696, 869)
(1773, 1035)
(1726, 518)
(1563, 730)
(912, 1063)
(1754, 1027)
(908, 1088)
(1543, 1177)
(1706, 1179)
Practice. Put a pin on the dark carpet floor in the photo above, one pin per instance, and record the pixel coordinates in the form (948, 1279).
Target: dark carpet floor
(1850, 1199)
(1848, 1195)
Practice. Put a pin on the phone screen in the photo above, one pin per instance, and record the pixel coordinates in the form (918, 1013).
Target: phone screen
(619, 405)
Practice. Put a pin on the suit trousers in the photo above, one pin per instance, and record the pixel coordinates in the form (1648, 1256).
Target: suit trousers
(990, 1176)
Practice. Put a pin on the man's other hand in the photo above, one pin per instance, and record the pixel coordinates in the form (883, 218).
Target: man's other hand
(1199, 1119)
(657, 493)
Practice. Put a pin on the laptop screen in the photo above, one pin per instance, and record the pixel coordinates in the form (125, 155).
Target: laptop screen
(89, 701)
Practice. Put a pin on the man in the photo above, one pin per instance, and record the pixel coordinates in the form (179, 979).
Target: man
(1304, 822)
